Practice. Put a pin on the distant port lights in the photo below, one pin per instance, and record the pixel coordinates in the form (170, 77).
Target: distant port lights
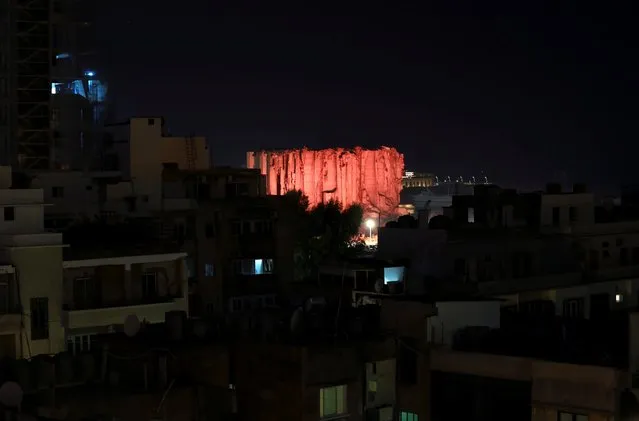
(89, 73)
(472, 180)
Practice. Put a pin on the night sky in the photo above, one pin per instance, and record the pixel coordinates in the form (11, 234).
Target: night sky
(527, 96)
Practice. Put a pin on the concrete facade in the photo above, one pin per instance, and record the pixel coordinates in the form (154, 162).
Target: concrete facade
(133, 185)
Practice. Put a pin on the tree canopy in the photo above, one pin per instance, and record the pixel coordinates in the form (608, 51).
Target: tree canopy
(327, 230)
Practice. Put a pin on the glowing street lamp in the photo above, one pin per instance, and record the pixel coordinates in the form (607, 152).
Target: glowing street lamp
(370, 224)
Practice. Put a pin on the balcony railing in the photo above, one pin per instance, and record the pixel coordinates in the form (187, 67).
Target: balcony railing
(122, 303)
(108, 316)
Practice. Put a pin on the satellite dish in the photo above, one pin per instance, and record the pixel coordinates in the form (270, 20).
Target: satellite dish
(131, 325)
(379, 286)
(296, 320)
(11, 394)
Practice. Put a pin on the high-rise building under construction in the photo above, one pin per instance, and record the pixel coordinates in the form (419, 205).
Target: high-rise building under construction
(52, 98)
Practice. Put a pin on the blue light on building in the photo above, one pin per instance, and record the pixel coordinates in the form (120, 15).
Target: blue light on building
(89, 73)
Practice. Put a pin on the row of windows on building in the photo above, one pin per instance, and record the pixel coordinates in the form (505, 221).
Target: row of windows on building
(239, 304)
(600, 305)
(87, 290)
(186, 230)
(334, 404)
(246, 267)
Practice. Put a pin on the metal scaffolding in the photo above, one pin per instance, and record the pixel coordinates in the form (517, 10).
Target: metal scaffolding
(25, 83)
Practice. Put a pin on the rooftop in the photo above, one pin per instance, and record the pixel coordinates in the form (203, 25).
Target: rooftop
(92, 240)
(552, 338)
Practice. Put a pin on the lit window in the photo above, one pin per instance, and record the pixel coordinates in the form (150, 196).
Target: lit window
(408, 416)
(372, 385)
(254, 266)
(209, 270)
(332, 401)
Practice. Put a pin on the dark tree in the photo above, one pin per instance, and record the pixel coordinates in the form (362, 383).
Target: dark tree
(324, 231)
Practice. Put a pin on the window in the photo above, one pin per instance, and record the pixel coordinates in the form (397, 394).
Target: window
(372, 390)
(408, 416)
(263, 227)
(209, 270)
(80, 343)
(39, 318)
(237, 189)
(372, 385)
(574, 308)
(572, 214)
(190, 268)
(149, 285)
(6, 292)
(332, 401)
(555, 216)
(86, 293)
(209, 230)
(567, 416)
(9, 213)
(254, 266)
(151, 122)
(57, 192)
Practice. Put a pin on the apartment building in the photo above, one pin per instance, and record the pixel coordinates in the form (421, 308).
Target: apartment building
(30, 274)
(57, 296)
(129, 181)
(101, 295)
(240, 251)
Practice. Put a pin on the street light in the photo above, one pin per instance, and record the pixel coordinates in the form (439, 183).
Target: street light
(370, 224)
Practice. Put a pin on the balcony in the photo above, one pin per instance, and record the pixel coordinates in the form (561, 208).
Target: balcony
(114, 314)
(105, 294)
